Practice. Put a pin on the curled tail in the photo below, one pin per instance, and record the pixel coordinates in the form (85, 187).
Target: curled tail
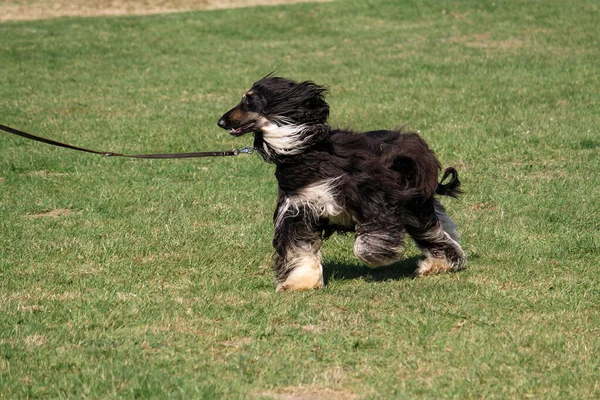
(452, 188)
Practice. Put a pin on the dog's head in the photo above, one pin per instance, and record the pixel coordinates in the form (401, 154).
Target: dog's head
(278, 101)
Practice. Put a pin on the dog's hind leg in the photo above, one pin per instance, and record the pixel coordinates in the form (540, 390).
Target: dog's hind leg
(379, 247)
(447, 223)
(427, 224)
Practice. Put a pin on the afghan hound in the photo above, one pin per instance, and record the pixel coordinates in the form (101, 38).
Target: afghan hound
(381, 185)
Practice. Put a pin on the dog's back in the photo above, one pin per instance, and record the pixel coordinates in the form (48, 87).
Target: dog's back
(401, 161)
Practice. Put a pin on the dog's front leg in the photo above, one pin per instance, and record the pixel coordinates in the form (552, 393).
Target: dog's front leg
(297, 245)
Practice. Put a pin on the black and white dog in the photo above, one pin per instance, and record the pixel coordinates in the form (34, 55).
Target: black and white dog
(378, 184)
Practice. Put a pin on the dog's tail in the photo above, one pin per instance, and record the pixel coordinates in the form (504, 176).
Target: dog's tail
(452, 188)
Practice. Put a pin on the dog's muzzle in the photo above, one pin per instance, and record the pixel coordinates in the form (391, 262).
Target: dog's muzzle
(238, 122)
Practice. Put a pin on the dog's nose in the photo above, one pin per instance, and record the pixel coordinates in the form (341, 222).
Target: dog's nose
(221, 123)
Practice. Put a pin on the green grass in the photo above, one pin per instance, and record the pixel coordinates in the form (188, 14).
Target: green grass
(150, 279)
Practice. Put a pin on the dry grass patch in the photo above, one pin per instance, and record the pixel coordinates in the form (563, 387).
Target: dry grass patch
(43, 173)
(485, 206)
(38, 294)
(59, 212)
(33, 341)
(547, 175)
(236, 343)
(313, 328)
(17, 10)
(308, 393)
(126, 296)
(30, 308)
(64, 296)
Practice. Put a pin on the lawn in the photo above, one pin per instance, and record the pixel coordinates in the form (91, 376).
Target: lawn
(128, 278)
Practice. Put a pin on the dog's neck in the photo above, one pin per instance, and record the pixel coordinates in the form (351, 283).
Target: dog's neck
(279, 143)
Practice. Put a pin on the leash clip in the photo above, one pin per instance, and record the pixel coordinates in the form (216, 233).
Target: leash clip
(246, 150)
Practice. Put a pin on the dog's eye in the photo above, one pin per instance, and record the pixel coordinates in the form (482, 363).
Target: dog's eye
(247, 101)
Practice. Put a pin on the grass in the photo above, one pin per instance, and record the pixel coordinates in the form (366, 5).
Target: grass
(150, 279)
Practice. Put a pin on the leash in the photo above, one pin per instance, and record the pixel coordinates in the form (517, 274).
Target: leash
(234, 152)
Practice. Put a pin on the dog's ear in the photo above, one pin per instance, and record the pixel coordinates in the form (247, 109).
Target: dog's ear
(321, 110)
(319, 106)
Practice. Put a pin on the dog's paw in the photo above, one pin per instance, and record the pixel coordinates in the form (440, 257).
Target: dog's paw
(303, 278)
(295, 286)
(432, 266)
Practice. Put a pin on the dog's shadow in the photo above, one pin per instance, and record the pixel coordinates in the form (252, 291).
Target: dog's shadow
(344, 271)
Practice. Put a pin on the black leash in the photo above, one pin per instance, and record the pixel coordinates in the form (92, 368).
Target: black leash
(234, 152)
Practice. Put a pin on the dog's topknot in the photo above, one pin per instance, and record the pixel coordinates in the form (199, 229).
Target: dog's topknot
(302, 103)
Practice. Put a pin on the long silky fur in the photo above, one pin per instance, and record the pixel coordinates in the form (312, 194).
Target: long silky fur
(379, 184)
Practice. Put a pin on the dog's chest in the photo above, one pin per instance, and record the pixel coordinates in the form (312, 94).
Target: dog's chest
(320, 201)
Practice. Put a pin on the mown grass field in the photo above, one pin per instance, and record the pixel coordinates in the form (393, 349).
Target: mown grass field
(150, 279)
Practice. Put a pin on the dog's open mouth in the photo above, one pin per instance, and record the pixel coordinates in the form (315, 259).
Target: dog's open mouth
(239, 131)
